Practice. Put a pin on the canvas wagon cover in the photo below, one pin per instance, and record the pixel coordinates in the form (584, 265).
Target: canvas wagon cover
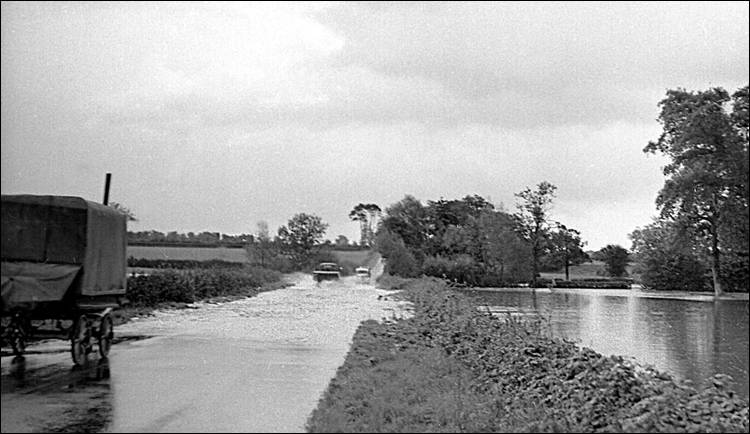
(48, 240)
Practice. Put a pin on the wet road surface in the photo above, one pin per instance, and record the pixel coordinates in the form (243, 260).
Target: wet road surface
(252, 365)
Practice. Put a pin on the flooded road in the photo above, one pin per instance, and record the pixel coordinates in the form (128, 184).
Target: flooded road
(252, 365)
(258, 364)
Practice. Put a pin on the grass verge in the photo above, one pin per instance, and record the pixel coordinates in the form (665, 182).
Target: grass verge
(452, 368)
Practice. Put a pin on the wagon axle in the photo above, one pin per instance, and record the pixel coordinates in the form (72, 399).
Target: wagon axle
(87, 330)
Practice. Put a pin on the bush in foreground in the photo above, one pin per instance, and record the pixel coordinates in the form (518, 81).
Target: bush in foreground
(452, 368)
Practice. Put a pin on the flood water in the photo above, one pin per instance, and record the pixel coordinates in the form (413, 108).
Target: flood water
(692, 338)
(257, 364)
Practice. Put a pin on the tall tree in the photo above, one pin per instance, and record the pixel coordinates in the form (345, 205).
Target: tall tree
(567, 248)
(407, 218)
(533, 220)
(300, 235)
(707, 185)
(367, 215)
(616, 259)
(261, 248)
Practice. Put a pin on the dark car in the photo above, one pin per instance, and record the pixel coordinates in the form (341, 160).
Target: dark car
(327, 271)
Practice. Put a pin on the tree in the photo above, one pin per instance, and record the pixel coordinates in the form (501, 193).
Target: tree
(407, 218)
(261, 249)
(616, 259)
(567, 248)
(502, 250)
(452, 225)
(366, 215)
(300, 235)
(128, 213)
(342, 241)
(666, 259)
(707, 187)
(533, 221)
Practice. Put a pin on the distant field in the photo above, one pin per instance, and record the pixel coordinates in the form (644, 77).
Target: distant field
(356, 257)
(194, 253)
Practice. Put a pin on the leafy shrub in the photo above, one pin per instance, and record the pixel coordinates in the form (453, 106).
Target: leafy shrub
(460, 269)
(735, 273)
(674, 270)
(401, 262)
(594, 283)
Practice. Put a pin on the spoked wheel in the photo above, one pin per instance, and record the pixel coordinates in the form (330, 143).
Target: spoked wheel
(18, 343)
(15, 334)
(80, 340)
(106, 334)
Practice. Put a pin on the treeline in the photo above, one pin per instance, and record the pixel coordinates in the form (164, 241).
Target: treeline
(202, 239)
(470, 241)
(216, 239)
(701, 239)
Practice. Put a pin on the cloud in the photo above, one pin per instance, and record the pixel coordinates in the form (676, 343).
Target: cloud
(506, 61)
(216, 115)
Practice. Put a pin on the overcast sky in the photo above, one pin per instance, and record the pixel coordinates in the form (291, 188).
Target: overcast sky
(214, 116)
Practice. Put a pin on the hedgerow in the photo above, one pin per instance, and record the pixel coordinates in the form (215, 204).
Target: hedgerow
(182, 264)
(187, 286)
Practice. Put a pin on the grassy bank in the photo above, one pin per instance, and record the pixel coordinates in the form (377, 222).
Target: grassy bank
(452, 368)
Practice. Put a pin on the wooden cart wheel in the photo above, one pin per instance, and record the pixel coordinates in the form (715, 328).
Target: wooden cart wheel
(18, 344)
(106, 334)
(17, 341)
(80, 341)
(16, 335)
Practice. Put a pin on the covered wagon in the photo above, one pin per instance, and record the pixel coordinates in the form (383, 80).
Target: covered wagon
(64, 259)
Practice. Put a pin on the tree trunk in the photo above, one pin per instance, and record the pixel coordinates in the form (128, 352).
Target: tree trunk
(716, 263)
(567, 265)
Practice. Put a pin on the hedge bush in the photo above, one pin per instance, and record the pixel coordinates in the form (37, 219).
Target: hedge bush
(594, 283)
(182, 264)
(187, 286)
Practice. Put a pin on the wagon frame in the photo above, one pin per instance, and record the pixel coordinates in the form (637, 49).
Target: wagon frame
(63, 261)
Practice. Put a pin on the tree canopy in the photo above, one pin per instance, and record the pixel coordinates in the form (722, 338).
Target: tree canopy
(705, 135)
(300, 235)
(616, 259)
(367, 215)
(533, 220)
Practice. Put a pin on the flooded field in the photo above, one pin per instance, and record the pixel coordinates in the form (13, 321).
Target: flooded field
(689, 336)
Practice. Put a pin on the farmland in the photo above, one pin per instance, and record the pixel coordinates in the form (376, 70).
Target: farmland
(188, 253)
(355, 257)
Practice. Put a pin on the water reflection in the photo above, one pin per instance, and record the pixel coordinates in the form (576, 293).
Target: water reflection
(692, 340)
(17, 371)
(90, 372)
(23, 375)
